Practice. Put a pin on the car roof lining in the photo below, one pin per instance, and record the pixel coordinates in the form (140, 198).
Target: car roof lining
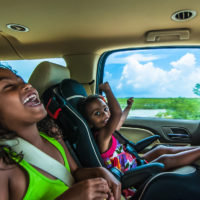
(65, 27)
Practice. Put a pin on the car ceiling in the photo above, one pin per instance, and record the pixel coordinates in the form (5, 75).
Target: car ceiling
(67, 27)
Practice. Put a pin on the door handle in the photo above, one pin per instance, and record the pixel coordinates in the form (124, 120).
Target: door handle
(178, 136)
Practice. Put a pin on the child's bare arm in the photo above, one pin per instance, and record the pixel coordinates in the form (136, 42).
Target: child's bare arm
(125, 112)
(92, 183)
(115, 111)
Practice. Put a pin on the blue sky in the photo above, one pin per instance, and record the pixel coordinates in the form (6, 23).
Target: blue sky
(141, 73)
(154, 72)
(25, 67)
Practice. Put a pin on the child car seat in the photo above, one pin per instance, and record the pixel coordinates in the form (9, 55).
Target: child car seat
(61, 102)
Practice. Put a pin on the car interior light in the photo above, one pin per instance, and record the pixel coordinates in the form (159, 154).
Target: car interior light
(17, 27)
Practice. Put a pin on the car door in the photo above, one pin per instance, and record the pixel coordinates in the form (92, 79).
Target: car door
(165, 85)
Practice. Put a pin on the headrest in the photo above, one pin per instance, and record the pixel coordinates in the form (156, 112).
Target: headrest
(47, 74)
(69, 90)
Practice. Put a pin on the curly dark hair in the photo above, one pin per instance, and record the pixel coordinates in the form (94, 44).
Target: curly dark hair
(9, 68)
(6, 152)
(50, 127)
(84, 102)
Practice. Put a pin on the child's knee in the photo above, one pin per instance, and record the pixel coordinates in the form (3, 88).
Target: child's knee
(163, 159)
(161, 150)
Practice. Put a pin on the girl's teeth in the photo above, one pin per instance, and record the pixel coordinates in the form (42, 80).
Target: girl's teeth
(33, 97)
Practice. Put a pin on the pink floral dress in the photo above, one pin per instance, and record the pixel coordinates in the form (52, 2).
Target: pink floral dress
(116, 156)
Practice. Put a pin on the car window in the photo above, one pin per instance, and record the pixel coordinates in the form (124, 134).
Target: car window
(24, 68)
(164, 82)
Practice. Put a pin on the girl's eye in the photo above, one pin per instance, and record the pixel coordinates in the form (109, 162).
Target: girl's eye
(97, 113)
(106, 109)
(9, 86)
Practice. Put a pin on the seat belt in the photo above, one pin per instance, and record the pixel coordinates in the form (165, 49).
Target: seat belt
(38, 158)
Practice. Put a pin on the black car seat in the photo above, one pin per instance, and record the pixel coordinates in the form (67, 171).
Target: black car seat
(61, 102)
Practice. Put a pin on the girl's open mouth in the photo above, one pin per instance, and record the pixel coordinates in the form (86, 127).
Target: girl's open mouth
(31, 100)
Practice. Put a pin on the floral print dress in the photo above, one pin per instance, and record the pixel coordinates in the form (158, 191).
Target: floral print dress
(117, 157)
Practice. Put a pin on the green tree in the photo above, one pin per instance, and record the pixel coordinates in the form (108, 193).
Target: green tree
(196, 89)
(182, 108)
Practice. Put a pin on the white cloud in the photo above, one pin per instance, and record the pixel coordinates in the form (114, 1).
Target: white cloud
(119, 86)
(108, 75)
(187, 61)
(141, 57)
(178, 81)
(119, 57)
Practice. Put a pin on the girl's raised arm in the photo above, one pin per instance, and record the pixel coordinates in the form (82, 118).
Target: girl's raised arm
(125, 112)
(115, 111)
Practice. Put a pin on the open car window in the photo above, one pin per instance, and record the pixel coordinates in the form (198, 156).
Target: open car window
(164, 82)
(24, 68)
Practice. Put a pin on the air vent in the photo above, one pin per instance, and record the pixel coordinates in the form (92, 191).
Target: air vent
(17, 27)
(184, 15)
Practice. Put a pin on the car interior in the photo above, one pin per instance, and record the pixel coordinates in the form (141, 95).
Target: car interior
(89, 35)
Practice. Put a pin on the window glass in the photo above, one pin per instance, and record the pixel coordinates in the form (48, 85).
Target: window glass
(164, 82)
(24, 68)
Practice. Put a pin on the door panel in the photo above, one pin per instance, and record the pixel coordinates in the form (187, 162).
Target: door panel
(170, 130)
(137, 134)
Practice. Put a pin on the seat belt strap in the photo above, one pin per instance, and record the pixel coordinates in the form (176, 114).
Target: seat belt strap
(36, 157)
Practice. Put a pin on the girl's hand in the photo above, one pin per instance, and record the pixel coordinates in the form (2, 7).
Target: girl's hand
(104, 87)
(90, 189)
(112, 185)
(130, 102)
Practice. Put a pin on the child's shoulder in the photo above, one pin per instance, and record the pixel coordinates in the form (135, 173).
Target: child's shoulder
(13, 180)
(6, 171)
(4, 167)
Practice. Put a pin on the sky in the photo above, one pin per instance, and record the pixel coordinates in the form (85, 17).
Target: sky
(154, 72)
(149, 73)
(24, 68)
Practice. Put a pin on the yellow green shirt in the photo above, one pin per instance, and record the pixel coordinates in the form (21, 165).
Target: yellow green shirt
(40, 187)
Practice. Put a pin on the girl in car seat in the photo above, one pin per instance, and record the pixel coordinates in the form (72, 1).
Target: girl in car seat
(103, 118)
(20, 110)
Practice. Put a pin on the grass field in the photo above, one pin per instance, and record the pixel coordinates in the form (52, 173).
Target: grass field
(176, 108)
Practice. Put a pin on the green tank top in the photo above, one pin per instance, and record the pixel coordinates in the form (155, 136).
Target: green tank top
(40, 187)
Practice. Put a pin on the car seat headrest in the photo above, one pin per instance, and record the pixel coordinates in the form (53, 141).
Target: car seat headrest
(72, 91)
(47, 74)
(68, 90)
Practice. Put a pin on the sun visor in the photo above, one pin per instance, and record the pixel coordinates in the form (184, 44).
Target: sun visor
(7, 50)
